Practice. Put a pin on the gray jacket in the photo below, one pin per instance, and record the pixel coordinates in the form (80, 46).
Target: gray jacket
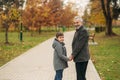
(80, 49)
(60, 56)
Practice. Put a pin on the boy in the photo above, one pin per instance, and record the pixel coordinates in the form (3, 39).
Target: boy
(60, 56)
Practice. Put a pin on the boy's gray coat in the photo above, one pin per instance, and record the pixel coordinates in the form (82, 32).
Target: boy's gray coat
(60, 56)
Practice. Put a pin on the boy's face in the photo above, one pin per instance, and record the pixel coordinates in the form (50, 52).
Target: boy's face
(61, 38)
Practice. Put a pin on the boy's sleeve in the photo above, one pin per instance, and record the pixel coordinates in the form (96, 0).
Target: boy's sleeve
(59, 50)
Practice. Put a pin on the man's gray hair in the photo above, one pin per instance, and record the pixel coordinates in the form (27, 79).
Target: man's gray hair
(78, 18)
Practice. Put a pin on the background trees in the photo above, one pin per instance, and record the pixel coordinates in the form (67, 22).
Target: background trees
(111, 10)
(9, 14)
(103, 12)
(93, 15)
(67, 16)
(37, 14)
(47, 14)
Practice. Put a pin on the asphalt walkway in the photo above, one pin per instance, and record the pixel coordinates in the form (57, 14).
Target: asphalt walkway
(37, 64)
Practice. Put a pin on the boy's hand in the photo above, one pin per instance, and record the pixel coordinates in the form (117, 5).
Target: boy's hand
(71, 58)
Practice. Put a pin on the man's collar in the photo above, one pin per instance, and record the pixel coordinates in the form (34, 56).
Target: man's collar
(78, 28)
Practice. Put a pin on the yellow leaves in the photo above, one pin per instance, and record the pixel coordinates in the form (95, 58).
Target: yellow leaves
(67, 17)
(51, 13)
(8, 17)
(14, 14)
(45, 14)
(96, 16)
(46, 11)
(4, 17)
(96, 4)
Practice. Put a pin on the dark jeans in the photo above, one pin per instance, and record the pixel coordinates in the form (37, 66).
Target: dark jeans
(81, 70)
(59, 75)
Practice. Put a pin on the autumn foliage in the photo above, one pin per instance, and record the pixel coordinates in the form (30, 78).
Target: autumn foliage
(95, 16)
(103, 12)
(46, 14)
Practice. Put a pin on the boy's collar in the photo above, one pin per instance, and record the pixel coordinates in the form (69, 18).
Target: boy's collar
(60, 42)
(57, 39)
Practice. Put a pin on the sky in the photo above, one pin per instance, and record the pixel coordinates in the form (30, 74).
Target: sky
(79, 5)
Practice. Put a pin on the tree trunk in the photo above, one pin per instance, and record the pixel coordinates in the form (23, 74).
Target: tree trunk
(39, 30)
(31, 33)
(6, 35)
(108, 17)
(16, 26)
(109, 31)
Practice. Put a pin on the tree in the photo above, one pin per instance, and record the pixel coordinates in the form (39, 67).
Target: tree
(36, 15)
(5, 6)
(5, 22)
(95, 16)
(61, 16)
(86, 17)
(15, 16)
(110, 13)
(110, 10)
(67, 16)
(40, 13)
(55, 12)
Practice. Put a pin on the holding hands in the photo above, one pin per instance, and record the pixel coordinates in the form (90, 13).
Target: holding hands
(71, 58)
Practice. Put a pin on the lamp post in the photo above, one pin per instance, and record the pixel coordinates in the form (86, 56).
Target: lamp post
(21, 26)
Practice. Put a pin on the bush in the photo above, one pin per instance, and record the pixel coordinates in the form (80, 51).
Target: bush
(99, 29)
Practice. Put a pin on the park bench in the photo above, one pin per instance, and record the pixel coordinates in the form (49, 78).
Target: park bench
(91, 37)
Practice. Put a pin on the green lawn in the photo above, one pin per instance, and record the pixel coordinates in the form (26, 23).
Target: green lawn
(106, 55)
(15, 48)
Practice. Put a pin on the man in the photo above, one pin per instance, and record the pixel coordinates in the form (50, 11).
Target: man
(80, 52)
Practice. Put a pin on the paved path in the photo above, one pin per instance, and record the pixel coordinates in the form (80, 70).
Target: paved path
(36, 64)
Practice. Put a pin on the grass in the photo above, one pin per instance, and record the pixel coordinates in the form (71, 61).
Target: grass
(16, 48)
(106, 55)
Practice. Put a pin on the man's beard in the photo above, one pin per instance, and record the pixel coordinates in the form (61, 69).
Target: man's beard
(77, 26)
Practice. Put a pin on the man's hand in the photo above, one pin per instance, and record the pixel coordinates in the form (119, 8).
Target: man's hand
(71, 58)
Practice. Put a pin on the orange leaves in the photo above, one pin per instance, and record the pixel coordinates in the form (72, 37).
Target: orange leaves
(98, 19)
(45, 11)
(51, 13)
(4, 17)
(96, 16)
(67, 16)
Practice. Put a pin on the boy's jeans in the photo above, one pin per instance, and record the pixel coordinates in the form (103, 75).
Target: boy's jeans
(59, 74)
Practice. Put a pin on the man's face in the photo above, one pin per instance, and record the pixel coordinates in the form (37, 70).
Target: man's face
(77, 23)
(61, 38)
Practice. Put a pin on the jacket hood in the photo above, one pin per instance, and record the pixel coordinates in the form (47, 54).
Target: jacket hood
(56, 42)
